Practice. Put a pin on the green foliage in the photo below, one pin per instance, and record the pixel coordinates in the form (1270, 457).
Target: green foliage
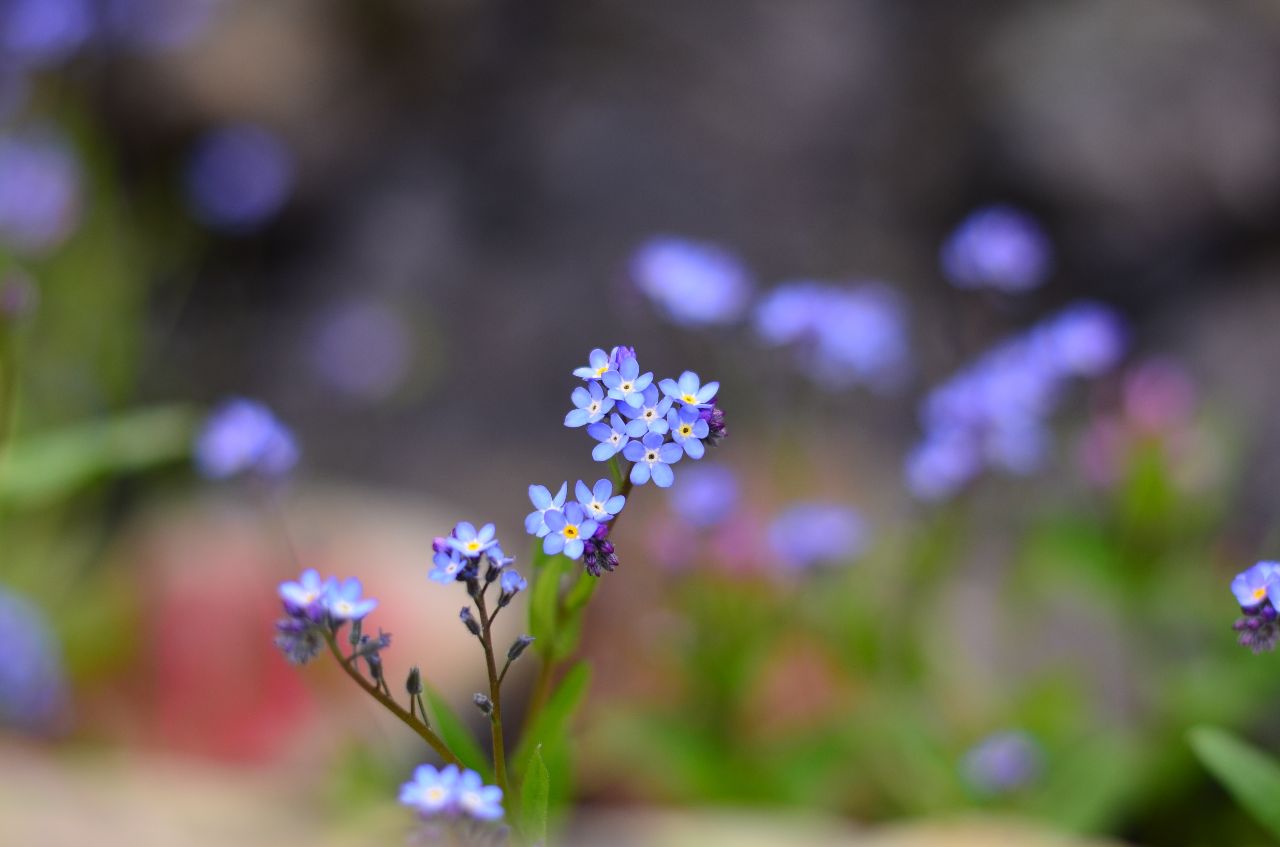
(550, 729)
(1251, 776)
(455, 734)
(535, 799)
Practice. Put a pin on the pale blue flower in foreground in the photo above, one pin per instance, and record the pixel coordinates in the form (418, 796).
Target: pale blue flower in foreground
(471, 542)
(689, 390)
(599, 501)
(535, 523)
(592, 405)
(1257, 585)
(653, 459)
(569, 530)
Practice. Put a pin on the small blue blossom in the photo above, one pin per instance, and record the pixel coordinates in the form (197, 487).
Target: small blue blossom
(568, 530)
(309, 596)
(345, 604)
(242, 436)
(535, 523)
(599, 501)
(1088, 338)
(41, 195)
(431, 791)
(239, 177)
(689, 390)
(477, 800)
(817, 533)
(592, 405)
(511, 582)
(470, 542)
(707, 494)
(1257, 585)
(613, 437)
(651, 415)
(653, 459)
(40, 33)
(597, 364)
(1003, 762)
(997, 247)
(447, 565)
(694, 284)
(688, 428)
(626, 383)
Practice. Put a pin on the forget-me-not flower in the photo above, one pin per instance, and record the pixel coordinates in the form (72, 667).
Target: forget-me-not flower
(345, 604)
(243, 436)
(689, 389)
(599, 500)
(477, 800)
(707, 494)
(997, 247)
(511, 582)
(653, 458)
(309, 595)
(651, 415)
(817, 533)
(568, 530)
(694, 283)
(447, 565)
(469, 541)
(597, 364)
(540, 496)
(626, 383)
(688, 428)
(613, 437)
(431, 791)
(592, 405)
(1256, 585)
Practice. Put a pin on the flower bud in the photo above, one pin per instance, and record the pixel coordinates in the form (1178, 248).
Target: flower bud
(413, 684)
(483, 703)
(353, 637)
(522, 643)
(472, 625)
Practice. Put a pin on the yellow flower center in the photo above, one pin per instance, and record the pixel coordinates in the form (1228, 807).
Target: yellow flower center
(1260, 593)
(473, 545)
(689, 398)
(570, 531)
(600, 370)
(686, 430)
(435, 794)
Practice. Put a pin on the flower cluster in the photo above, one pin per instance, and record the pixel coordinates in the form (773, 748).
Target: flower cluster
(243, 436)
(316, 606)
(451, 792)
(459, 556)
(1256, 590)
(995, 412)
(997, 247)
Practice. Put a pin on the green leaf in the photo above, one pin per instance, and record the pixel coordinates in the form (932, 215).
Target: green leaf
(544, 604)
(1250, 775)
(551, 726)
(535, 800)
(455, 735)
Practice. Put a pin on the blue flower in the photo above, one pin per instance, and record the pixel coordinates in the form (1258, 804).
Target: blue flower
(694, 284)
(597, 364)
(626, 383)
(477, 800)
(40, 188)
(1256, 585)
(511, 582)
(33, 684)
(431, 791)
(448, 564)
(535, 523)
(309, 595)
(613, 437)
(592, 405)
(242, 436)
(651, 415)
(44, 32)
(707, 494)
(1088, 339)
(688, 428)
(653, 459)
(997, 247)
(239, 177)
(689, 390)
(470, 543)
(1002, 762)
(599, 501)
(344, 602)
(568, 529)
(817, 533)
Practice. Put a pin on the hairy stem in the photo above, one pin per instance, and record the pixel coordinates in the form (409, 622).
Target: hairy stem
(391, 705)
(495, 693)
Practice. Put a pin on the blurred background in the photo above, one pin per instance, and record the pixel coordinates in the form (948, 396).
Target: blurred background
(990, 289)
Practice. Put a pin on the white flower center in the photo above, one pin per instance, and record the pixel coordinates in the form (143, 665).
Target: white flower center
(651, 457)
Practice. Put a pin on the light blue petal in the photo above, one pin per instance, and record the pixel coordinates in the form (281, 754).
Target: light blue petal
(663, 476)
(688, 383)
(636, 428)
(539, 496)
(599, 431)
(603, 452)
(581, 491)
(573, 548)
(670, 452)
(694, 449)
(576, 418)
(708, 391)
(639, 473)
(558, 501)
(552, 544)
(634, 451)
(554, 519)
(669, 388)
(581, 397)
(602, 489)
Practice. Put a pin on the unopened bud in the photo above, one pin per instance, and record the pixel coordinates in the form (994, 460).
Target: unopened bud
(483, 703)
(413, 684)
(472, 625)
(522, 644)
(353, 637)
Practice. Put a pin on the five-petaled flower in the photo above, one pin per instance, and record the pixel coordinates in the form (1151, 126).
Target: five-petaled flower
(480, 801)
(1257, 585)
(431, 791)
(598, 362)
(653, 457)
(344, 602)
(688, 428)
(448, 564)
(651, 416)
(613, 437)
(591, 404)
(599, 501)
(689, 389)
(540, 497)
(470, 542)
(308, 595)
(568, 529)
(627, 383)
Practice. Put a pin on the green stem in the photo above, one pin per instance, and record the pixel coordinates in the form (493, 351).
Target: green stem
(391, 705)
(495, 693)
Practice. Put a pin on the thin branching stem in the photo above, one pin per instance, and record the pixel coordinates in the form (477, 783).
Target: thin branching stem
(495, 692)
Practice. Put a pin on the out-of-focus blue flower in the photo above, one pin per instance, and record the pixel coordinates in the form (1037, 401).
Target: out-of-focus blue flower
(653, 459)
(44, 32)
(158, 25)
(239, 177)
(707, 494)
(40, 194)
(511, 582)
(693, 284)
(626, 383)
(309, 596)
(942, 464)
(613, 437)
(299, 639)
(362, 349)
(597, 364)
(535, 523)
(477, 800)
(688, 429)
(591, 404)
(242, 436)
(14, 88)
(569, 528)
(843, 335)
(1003, 762)
(997, 247)
(1257, 585)
(431, 791)
(1088, 339)
(814, 533)
(689, 390)
(447, 564)
(469, 541)
(599, 501)
(33, 685)
(651, 415)
(345, 603)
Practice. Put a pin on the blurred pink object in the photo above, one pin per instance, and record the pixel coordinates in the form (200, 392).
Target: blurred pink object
(1158, 396)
